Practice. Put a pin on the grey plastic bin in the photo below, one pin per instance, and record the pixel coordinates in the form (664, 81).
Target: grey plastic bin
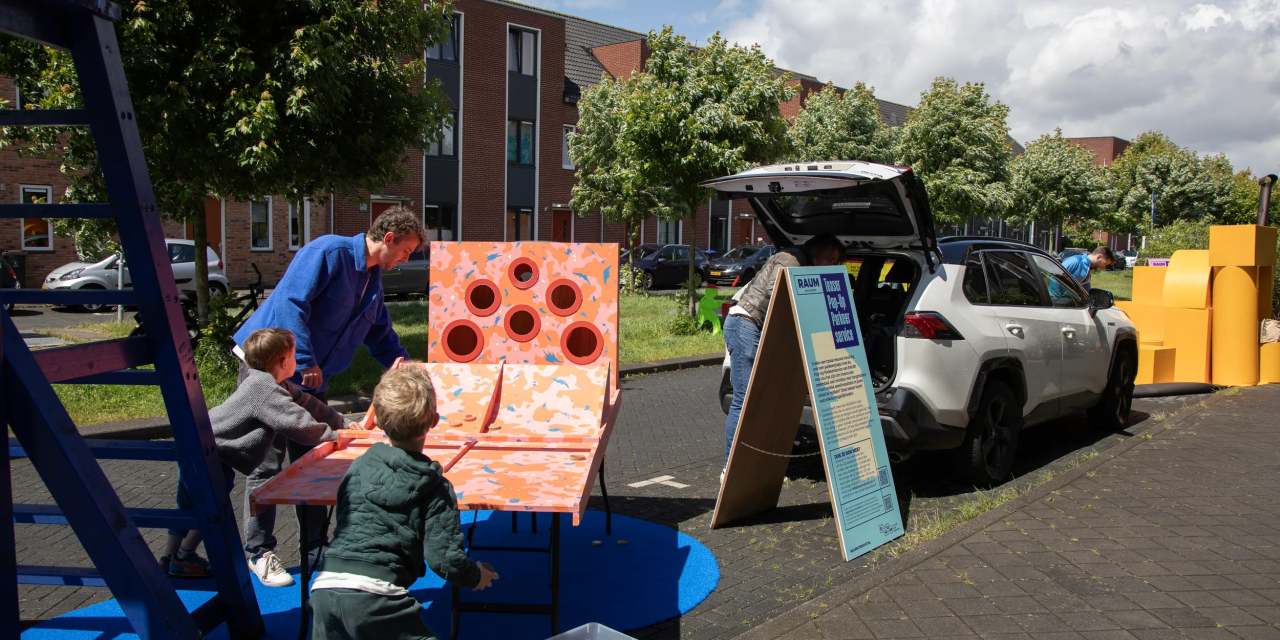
(592, 631)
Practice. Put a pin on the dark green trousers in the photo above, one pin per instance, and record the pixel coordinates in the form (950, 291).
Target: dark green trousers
(347, 614)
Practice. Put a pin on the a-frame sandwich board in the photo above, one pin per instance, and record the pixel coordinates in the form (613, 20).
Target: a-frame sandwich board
(811, 343)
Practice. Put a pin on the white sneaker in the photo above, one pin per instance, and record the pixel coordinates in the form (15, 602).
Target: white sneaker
(269, 570)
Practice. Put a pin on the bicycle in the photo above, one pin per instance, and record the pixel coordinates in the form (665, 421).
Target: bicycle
(191, 318)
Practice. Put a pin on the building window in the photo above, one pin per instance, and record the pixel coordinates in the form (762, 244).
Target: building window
(299, 229)
(565, 160)
(520, 142)
(444, 146)
(260, 225)
(37, 233)
(519, 224)
(446, 51)
(669, 232)
(439, 222)
(520, 51)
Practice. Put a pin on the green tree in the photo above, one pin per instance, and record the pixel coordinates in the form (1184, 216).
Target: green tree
(694, 114)
(840, 127)
(1056, 181)
(1185, 186)
(298, 97)
(957, 141)
(1242, 206)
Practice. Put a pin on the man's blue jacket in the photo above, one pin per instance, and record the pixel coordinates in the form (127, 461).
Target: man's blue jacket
(319, 299)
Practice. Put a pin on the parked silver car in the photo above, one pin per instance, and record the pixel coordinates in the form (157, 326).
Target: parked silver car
(105, 274)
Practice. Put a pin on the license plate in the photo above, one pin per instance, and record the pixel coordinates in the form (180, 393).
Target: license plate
(715, 273)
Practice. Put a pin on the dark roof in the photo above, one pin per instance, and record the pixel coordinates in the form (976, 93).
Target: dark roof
(580, 36)
(1015, 148)
(892, 113)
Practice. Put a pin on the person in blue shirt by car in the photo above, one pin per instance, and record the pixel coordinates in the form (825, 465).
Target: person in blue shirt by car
(1081, 266)
(331, 299)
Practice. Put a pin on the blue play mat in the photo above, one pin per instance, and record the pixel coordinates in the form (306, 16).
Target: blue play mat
(660, 573)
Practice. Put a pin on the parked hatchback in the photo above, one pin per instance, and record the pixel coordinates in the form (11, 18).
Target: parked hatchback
(105, 274)
(739, 264)
(968, 339)
(662, 266)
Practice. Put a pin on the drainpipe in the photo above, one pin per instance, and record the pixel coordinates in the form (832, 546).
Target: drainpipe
(331, 212)
(1264, 199)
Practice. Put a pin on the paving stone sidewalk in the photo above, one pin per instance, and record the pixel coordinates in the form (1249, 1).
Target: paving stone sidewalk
(1176, 537)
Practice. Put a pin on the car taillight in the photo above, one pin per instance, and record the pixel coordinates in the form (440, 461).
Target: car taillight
(929, 325)
(219, 265)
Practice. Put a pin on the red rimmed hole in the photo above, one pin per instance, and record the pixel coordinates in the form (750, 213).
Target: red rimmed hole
(482, 298)
(523, 273)
(522, 323)
(581, 343)
(462, 341)
(565, 297)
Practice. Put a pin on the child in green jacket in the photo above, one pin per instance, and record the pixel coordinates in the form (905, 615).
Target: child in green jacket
(395, 511)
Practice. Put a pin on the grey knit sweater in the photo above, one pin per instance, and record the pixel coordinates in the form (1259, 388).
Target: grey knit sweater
(249, 420)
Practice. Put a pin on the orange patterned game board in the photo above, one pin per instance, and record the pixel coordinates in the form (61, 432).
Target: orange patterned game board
(537, 449)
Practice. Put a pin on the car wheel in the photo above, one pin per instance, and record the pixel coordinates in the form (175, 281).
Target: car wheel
(93, 308)
(216, 289)
(646, 281)
(747, 276)
(1112, 411)
(986, 456)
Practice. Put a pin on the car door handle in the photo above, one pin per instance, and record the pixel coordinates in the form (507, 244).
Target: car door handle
(1069, 332)
(1015, 329)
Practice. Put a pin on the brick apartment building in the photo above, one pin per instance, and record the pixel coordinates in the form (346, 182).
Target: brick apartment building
(1105, 150)
(513, 74)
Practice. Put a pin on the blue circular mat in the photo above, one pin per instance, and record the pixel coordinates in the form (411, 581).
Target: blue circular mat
(660, 573)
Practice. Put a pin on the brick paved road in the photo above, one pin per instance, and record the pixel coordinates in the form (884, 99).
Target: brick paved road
(1176, 537)
(671, 425)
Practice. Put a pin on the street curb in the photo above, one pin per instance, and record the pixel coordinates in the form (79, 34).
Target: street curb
(673, 364)
(791, 620)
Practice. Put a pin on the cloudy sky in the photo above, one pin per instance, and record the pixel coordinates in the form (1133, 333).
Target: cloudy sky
(1206, 74)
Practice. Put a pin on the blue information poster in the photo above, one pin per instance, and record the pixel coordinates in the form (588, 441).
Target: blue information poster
(844, 410)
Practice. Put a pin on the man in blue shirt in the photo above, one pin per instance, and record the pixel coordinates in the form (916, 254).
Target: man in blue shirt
(331, 299)
(1082, 266)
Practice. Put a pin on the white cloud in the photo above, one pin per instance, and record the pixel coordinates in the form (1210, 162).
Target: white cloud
(1207, 74)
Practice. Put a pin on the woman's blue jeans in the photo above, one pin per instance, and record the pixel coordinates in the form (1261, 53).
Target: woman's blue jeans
(742, 340)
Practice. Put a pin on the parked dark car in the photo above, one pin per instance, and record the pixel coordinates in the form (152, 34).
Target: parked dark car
(738, 264)
(409, 277)
(660, 266)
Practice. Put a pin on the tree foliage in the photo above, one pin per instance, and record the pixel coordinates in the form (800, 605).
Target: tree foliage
(693, 114)
(1242, 204)
(1056, 181)
(832, 126)
(957, 141)
(1186, 187)
(242, 100)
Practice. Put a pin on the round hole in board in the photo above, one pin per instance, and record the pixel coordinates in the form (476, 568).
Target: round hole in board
(582, 343)
(564, 297)
(522, 323)
(482, 298)
(523, 273)
(462, 341)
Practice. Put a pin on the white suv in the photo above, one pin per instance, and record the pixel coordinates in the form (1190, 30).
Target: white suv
(104, 274)
(969, 339)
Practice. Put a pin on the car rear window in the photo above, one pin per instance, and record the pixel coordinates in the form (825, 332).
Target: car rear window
(865, 210)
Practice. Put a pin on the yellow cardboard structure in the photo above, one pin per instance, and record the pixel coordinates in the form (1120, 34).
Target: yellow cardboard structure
(1148, 317)
(1235, 326)
(1187, 330)
(1148, 284)
(1242, 245)
(1269, 363)
(1265, 278)
(1187, 279)
(1155, 364)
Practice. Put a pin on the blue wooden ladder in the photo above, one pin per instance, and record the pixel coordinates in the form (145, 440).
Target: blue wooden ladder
(45, 433)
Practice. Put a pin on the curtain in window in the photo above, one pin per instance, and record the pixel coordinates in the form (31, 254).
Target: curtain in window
(513, 51)
(526, 51)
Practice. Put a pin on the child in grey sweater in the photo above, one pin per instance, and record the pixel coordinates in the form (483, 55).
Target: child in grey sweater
(264, 404)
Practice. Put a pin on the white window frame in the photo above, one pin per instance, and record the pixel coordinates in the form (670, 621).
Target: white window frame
(305, 231)
(270, 226)
(22, 222)
(565, 161)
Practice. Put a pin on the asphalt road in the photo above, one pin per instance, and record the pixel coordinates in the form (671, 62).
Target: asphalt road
(28, 319)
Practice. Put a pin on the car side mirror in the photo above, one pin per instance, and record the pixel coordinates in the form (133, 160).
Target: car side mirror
(661, 259)
(1101, 299)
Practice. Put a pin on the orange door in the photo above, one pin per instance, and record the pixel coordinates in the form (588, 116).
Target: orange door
(561, 226)
(212, 226)
(377, 208)
(744, 232)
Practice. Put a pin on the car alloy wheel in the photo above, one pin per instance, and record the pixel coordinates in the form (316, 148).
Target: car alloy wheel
(996, 438)
(646, 282)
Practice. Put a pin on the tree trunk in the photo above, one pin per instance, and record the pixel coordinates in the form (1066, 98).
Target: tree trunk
(634, 235)
(201, 232)
(693, 257)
